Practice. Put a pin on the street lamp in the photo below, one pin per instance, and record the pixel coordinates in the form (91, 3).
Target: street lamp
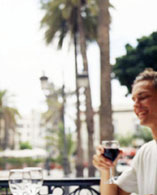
(82, 79)
(44, 82)
(82, 83)
(45, 85)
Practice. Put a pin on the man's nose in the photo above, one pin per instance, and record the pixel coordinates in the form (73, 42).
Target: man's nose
(136, 103)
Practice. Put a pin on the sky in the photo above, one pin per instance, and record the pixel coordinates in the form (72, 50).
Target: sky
(24, 55)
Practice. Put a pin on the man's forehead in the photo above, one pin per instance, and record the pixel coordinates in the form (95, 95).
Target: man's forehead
(142, 86)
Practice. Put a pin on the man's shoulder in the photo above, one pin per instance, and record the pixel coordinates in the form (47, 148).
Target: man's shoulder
(145, 149)
(147, 145)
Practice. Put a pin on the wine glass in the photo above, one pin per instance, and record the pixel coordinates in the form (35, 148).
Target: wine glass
(19, 181)
(37, 179)
(111, 151)
(27, 182)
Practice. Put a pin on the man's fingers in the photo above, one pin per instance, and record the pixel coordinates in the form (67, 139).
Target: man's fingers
(100, 165)
(99, 150)
(100, 161)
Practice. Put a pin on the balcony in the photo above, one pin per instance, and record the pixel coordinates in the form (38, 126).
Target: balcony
(65, 186)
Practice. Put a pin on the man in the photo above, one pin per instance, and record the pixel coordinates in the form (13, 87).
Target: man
(141, 177)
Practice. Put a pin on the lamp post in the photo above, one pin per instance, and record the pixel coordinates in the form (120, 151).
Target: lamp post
(84, 82)
(44, 86)
(81, 81)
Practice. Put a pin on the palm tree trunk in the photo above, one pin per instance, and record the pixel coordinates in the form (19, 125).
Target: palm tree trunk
(90, 128)
(89, 109)
(0, 132)
(6, 134)
(79, 156)
(66, 164)
(106, 127)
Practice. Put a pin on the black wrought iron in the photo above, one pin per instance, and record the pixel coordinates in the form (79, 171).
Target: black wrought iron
(4, 188)
(76, 186)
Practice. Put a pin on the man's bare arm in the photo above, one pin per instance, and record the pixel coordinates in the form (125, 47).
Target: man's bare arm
(108, 189)
(121, 192)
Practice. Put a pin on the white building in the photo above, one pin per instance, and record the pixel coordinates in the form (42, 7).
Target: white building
(30, 130)
(124, 119)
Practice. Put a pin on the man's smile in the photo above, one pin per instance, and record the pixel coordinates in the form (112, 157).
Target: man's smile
(141, 113)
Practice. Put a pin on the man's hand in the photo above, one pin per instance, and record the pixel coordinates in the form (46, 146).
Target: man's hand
(102, 163)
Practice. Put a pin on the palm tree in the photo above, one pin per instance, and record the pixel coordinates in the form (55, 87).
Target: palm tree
(66, 17)
(106, 128)
(89, 109)
(8, 117)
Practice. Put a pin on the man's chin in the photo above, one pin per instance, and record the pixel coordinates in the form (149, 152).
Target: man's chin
(143, 122)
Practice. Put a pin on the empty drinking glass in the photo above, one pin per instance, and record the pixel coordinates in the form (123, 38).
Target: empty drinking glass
(19, 181)
(37, 179)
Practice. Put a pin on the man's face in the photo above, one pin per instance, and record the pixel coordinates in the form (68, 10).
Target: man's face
(145, 103)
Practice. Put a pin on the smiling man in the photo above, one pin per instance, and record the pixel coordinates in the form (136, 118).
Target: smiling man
(141, 177)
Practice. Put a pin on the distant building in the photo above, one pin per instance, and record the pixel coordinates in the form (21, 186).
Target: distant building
(124, 119)
(30, 130)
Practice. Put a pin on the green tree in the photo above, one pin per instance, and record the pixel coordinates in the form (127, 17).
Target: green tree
(130, 139)
(143, 133)
(136, 59)
(56, 140)
(25, 145)
(8, 117)
(125, 140)
(61, 19)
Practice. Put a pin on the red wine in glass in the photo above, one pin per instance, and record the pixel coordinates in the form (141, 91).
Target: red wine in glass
(111, 151)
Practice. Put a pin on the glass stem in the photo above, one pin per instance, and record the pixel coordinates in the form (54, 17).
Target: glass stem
(110, 172)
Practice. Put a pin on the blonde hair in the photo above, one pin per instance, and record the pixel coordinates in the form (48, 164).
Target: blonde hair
(147, 75)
